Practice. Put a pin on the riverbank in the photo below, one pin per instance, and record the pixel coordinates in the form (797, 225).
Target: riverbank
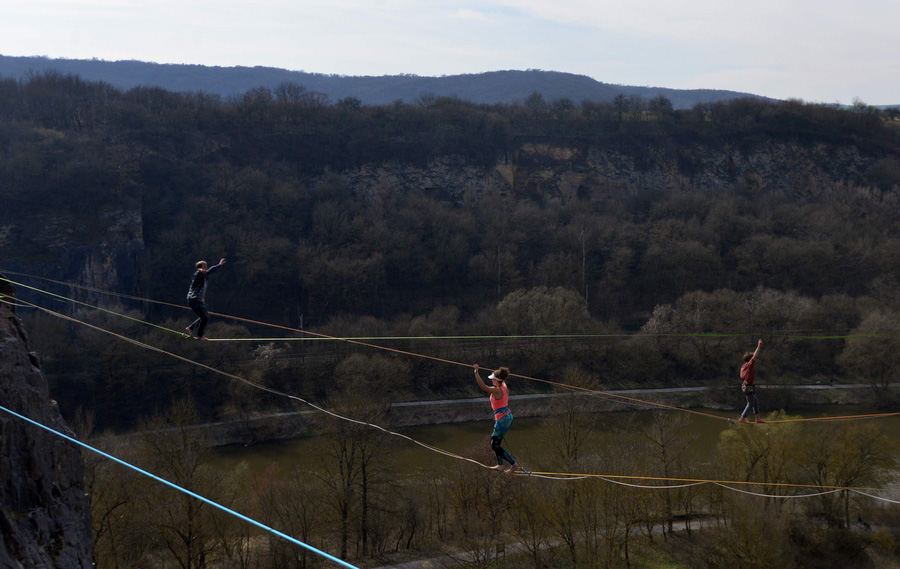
(252, 429)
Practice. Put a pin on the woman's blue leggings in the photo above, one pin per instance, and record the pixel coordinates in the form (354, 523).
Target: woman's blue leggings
(500, 427)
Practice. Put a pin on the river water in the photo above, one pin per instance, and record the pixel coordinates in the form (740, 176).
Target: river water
(531, 439)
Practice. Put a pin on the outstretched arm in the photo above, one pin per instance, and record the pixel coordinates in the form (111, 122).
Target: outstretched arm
(215, 267)
(756, 353)
(497, 393)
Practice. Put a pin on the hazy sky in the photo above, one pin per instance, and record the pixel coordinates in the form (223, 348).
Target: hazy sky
(816, 50)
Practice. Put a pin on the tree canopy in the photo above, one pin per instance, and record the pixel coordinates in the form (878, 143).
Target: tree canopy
(505, 229)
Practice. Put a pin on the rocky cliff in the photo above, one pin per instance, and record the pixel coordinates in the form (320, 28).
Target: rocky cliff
(44, 512)
(556, 170)
(101, 249)
(104, 248)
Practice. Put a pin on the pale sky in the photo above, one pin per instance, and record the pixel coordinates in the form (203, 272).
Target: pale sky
(825, 51)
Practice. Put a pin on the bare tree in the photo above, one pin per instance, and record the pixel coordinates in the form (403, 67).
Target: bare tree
(352, 471)
(293, 503)
(182, 524)
(530, 523)
(117, 508)
(669, 440)
(568, 431)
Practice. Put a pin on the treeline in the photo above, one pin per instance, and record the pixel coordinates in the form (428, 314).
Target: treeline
(258, 178)
(311, 134)
(244, 178)
(697, 340)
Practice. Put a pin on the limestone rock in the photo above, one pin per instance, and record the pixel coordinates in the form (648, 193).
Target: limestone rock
(44, 513)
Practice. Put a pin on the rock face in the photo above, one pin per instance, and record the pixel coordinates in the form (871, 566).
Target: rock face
(105, 248)
(102, 249)
(44, 513)
(554, 171)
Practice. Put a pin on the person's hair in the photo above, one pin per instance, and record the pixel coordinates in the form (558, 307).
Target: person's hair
(502, 373)
(201, 264)
(748, 356)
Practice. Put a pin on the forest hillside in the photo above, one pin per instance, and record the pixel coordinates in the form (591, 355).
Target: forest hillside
(667, 240)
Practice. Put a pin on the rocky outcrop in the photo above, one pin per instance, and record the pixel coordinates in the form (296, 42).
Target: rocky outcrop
(561, 171)
(104, 248)
(44, 512)
(101, 249)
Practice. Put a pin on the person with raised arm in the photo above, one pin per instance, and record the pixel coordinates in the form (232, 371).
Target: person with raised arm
(748, 377)
(196, 298)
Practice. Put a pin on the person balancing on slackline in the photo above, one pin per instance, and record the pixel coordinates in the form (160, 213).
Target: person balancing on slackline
(748, 377)
(503, 417)
(196, 298)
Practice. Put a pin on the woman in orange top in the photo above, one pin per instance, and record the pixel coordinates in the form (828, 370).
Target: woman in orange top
(502, 415)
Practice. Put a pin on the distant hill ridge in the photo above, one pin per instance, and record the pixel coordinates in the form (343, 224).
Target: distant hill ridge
(489, 87)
